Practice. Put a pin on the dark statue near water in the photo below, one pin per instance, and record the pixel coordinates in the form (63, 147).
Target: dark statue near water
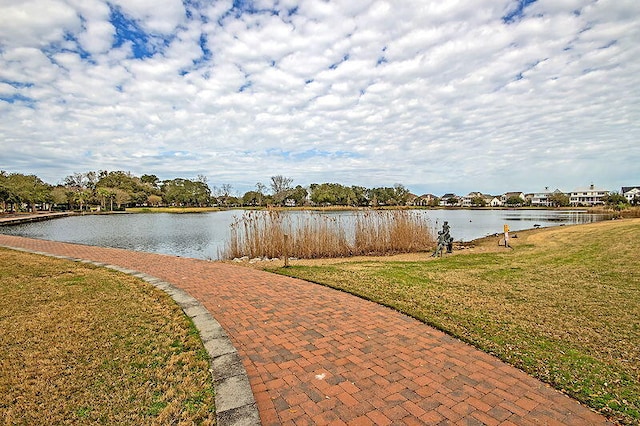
(444, 240)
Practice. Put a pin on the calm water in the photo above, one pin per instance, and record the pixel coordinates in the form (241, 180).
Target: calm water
(204, 235)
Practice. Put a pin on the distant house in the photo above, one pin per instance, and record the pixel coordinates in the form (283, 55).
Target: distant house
(422, 200)
(507, 195)
(544, 198)
(528, 197)
(493, 201)
(588, 197)
(449, 200)
(631, 193)
(468, 200)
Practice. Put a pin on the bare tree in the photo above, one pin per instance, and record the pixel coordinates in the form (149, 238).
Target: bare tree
(225, 192)
(281, 186)
(260, 190)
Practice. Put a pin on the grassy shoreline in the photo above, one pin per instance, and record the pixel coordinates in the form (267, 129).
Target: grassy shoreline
(83, 344)
(562, 305)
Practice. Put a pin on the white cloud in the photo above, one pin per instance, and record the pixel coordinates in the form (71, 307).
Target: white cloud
(440, 96)
(35, 23)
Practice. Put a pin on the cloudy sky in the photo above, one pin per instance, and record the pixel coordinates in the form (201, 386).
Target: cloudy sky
(440, 96)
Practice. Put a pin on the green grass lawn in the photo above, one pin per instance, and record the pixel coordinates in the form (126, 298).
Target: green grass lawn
(86, 345)
(563, 305)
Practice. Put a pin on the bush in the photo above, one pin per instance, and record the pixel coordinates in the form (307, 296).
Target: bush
(373, 232)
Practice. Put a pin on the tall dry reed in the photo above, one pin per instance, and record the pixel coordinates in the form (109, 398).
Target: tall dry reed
(373, 232)
(392, 231)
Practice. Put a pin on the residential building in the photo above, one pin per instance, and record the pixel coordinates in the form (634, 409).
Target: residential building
(631, 193)
(507, 195)
(528, 197)
(423, 200)
(468, 200)
(449, 200)
(588, 197)
(493, 201)
(544, 198)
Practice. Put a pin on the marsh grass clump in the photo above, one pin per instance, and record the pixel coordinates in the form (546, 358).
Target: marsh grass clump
(274, 233)
(391, 232)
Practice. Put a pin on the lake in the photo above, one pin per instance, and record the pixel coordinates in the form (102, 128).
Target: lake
(204, 235)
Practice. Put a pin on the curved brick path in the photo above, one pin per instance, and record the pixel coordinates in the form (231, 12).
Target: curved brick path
(318, 356)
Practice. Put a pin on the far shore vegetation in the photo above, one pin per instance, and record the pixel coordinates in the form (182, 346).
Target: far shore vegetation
(86, 345)
(563, 304)
(115, 191)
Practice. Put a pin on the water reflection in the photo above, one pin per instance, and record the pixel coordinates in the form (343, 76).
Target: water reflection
(204, 235)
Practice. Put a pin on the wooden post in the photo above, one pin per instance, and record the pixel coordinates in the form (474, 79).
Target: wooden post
(286, 250)
(506, 236)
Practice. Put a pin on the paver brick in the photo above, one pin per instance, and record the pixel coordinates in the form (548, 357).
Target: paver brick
(287, 332)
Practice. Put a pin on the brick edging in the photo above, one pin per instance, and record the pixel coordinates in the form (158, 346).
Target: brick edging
(234, 400)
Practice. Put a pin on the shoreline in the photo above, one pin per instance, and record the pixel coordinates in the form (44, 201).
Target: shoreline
(19, 218)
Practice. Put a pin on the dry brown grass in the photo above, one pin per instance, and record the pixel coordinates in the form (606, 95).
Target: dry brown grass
(563, 304)
(85, 345)
(627, 212)
(374, 232)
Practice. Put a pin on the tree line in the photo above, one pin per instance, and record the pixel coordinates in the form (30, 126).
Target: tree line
(116, 190)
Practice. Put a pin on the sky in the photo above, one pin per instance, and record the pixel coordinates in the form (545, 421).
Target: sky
(439, 96)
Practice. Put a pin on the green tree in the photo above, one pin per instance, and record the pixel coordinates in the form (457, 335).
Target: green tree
(514, 201)
(400, 194)
(382, 196)
(138, 190)
(452, 201)
(322, 194)
(251, 198)
(151, 180)
(478, 201)
(184, 192)
(614, 199)
(59, 196)
(360, 194)
(299, 195)
(28, 189)
(7, 195)
(558, 199)
(154, 200)
(105, 194)
(333, 194)
(120, 196)
(80, 188)
(81, 198)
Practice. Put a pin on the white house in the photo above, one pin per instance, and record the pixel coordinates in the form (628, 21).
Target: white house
(467, 200)
(631, 193)
(508, 195)
(450, 199)
(493, 201)
(543, 199)
(423, 200)
(591, 196)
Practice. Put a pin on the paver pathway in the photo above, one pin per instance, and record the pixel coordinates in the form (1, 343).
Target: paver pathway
(319, 356)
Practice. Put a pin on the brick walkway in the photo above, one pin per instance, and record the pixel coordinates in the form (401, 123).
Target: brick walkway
(319, 356)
